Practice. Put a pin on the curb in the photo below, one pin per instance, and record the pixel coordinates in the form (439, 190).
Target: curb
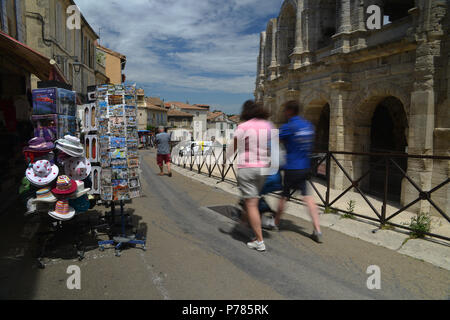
(428, 250)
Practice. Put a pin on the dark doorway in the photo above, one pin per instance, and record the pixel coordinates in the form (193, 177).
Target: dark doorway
(388, 135)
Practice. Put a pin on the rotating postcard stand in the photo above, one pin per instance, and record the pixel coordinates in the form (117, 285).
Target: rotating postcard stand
(124, 238)
(119, 159)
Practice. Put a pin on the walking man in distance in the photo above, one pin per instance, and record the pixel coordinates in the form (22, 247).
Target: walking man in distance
(163, 154)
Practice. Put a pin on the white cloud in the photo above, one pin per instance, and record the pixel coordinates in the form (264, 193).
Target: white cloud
(193, 44)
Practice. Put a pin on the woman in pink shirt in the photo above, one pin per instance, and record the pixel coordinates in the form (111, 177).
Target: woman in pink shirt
(252, 142)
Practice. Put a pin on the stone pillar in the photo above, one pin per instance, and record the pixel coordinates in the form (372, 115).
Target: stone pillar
(261, 62)
(273, 63)
(296, 59)
(343, 28)
(341, 133)
(423, 99)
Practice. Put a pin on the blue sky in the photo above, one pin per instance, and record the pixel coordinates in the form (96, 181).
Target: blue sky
(200, 51)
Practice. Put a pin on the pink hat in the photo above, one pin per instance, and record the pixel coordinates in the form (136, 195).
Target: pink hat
(64, 186)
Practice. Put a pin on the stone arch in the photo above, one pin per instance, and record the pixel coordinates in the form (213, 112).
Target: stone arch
(316, 108)
(287, 22)
(380, 124)
(314, 97)
(369, 98)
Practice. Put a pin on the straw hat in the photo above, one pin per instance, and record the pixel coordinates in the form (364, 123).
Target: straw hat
(71, 146)
(62, 211)
(64, 186)
(42, 173)
(77, 168)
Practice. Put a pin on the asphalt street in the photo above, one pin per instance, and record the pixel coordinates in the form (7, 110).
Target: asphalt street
(195, 251)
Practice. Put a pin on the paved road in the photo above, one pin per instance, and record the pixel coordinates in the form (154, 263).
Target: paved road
(196, 253)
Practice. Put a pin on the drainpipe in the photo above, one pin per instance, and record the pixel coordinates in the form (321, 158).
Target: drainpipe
(40, 18)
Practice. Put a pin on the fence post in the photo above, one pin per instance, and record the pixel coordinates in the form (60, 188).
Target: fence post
(224, 161)
(328, 171)
(386, 187)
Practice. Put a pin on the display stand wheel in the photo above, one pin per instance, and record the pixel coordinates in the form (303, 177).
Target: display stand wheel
(101, 248)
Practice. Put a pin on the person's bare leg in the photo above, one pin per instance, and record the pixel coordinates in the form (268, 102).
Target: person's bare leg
(168, 168)
(162, 170)
(254, 217)
(313, 211)
(281, 206)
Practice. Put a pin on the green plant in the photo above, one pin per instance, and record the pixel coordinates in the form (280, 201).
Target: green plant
(329, 210)
(350, 210)
(420, 224)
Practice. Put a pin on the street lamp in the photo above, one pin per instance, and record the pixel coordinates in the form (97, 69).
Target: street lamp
(77, 66)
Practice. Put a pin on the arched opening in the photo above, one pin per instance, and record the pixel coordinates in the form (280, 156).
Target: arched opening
(286, 31)
(380, 126)
(396, 10)
(318, 113)
(327, 23)
(323, 130)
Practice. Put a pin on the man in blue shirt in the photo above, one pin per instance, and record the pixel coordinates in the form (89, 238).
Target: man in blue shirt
(298, 137)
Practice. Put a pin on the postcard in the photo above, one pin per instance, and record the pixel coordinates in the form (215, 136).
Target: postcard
(119, 163)
(106, 193)
(134, 183)
(119, 174)
(133, 173)
(118, 154)
(133, 163)
(117, 142)
(135, 193)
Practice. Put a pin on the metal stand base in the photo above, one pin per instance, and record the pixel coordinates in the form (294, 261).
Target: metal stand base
(123, 239)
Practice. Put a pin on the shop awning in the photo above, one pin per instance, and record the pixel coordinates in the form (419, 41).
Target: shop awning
(29, 59)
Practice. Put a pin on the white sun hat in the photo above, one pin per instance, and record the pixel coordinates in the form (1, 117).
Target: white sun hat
(77, 168)
(70, 145)
(42, 173)
(81, 190)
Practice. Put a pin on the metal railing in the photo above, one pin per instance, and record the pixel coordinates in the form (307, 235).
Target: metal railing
(217, 160)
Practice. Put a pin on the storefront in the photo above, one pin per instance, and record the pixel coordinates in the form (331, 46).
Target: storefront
(17, 63)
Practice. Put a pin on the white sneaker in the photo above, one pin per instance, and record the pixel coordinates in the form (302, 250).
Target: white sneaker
(259, 246)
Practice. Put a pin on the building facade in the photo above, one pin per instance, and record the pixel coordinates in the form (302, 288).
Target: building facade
(199, 114)
(220, 127)
(113, 62)
(73, 50)
(156, 115)
(381, 90)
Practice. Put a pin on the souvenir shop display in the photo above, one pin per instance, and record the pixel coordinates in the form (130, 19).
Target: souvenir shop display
(54, 113)
(118, 142)
(54, 101)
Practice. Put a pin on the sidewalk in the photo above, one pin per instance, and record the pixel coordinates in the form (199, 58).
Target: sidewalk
(430, 250)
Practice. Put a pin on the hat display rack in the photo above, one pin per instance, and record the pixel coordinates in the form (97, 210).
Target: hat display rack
(55, 185)
(117, 143)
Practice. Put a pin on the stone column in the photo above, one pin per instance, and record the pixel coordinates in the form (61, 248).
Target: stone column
(343, 28)
(262, 52)
(341, 131)
(296, 59)
(273, 63)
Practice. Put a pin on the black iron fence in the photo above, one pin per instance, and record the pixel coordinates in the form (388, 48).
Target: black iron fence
(214, 163)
